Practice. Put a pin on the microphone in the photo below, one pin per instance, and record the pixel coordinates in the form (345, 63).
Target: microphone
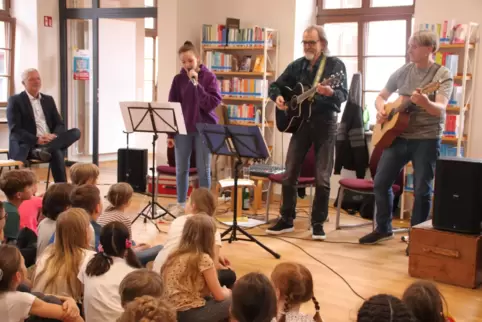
(193, 79)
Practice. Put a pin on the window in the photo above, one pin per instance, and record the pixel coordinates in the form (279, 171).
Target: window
(371, 37)
(7, 46)
(150, 55)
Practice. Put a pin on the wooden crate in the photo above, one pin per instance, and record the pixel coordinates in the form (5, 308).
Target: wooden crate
(445, 257)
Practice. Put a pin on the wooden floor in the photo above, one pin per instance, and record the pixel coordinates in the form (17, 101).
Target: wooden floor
(368, 269)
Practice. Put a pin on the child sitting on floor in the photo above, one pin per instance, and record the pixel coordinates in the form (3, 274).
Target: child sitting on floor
(18, 306)
(119, 197)
(103, 274)
(139, 283)
(84, 173)
(382, 308)
(55, 201)
(426, 302)
(29, 210)
(201, 202)
(148, 309)
(190, 278)
(294, 286)
(253, 299)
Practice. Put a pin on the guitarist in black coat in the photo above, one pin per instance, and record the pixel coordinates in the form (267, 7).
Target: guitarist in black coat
(36, 127)
(318, 128)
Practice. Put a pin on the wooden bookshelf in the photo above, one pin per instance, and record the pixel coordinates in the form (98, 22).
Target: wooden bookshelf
(247, 74)
(269, 124)
(461, 77)
(245, 99)
(456, 46)
(451, 109)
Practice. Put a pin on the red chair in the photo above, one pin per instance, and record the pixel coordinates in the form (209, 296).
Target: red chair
(365, 186)
(306, 179)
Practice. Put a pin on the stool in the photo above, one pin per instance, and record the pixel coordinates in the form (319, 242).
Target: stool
(241, 186)
(258, 192)
(9, 164)
(4, 151)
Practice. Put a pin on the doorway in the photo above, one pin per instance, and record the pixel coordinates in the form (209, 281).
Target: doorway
(103, 62)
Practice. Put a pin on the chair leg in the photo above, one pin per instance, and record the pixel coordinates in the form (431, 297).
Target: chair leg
(268, 201)
(338, 207)
(311, 207)
(374, 221)
(48, 178)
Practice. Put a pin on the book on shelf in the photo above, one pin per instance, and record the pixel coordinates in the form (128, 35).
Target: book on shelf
(218, 61)
(240, 87)
(456, 97)
(220, 35)
(449, 31)
(449, 60)
(245, 112)
(451, 126)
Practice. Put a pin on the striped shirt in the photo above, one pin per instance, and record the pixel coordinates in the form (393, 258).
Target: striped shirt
(111, 215)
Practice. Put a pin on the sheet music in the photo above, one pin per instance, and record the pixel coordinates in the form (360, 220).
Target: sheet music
(138, 119)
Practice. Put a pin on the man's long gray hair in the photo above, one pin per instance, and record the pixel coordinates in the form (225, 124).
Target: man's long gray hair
(321, 34)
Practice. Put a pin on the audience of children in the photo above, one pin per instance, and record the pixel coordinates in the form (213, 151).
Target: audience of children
(55, 201)
(57, 268)
(253, 299)
(201, 201)
(148, 309)
(17, 306)
(119, 197)
(190, 280)
(185, 284)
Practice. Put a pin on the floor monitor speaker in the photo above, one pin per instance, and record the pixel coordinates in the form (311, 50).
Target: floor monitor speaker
(132, 168)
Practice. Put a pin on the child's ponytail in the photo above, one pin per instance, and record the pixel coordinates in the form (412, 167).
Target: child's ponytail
(114, 242)
(317, 316)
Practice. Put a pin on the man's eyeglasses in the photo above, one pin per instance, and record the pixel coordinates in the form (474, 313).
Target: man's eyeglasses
(310, 43)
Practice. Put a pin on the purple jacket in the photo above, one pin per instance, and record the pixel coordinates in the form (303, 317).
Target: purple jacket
(197, 102)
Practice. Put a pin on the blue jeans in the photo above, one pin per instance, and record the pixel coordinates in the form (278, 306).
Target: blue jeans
(183, 150)
(148, 255)
(423, 154)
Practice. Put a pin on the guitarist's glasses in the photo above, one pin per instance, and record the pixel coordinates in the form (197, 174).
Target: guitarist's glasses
(310, 43)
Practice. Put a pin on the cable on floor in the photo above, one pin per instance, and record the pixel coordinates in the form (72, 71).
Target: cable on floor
(319, 261)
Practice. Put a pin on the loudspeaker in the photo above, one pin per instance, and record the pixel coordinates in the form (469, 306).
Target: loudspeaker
(132, 168)
(457, 195)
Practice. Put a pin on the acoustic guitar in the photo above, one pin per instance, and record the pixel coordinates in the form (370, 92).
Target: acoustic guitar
(398, 116)
(298, 99)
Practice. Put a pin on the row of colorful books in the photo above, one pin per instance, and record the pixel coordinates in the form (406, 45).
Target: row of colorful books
(219, 35)
(449, 60)
(449, 32)
(244, 112)
(219, 62)
(451, 125)
(241, 87)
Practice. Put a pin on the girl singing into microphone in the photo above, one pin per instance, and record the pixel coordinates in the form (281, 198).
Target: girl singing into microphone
(197, 89)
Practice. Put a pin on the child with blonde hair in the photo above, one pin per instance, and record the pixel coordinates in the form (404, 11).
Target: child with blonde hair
(202, 201)
(148, 309)
(18, 306)
(84, 173)
(120, 197)
(103, 274)
(190, 278)
(293, 283)
(57, 268)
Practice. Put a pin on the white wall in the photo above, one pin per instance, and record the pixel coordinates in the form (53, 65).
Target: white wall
(463, 11)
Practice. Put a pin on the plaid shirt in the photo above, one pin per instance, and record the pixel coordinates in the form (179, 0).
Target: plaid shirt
(299, 71)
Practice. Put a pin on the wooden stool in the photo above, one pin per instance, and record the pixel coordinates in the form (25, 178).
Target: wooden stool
(239, 205)
(258, 192)
(4, 151)
(35, 161)
(9, 164)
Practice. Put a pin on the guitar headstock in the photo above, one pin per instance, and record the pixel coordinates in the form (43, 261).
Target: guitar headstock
(434, 86)
(335, 80)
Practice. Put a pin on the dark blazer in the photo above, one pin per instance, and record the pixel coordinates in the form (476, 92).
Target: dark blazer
(21, 123)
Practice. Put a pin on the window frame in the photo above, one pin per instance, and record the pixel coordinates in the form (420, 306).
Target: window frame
(152, 33)
(362, 16)
(10, 27)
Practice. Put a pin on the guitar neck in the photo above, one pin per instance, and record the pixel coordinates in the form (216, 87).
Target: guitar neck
(305, 95)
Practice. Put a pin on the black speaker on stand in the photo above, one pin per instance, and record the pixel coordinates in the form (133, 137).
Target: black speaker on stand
(132, 167)
(457, 195)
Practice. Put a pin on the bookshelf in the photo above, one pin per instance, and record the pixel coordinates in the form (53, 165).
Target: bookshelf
(245, 61)
(461, 42)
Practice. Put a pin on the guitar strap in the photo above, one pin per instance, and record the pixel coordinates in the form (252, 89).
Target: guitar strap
(319, 73)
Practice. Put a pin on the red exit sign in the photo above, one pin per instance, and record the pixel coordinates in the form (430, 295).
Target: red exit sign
(47, 21)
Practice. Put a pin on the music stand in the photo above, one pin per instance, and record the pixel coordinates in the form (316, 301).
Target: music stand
(153, 118)
(238, 142)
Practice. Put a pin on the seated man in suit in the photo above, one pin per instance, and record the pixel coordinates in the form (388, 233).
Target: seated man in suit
(36, 127)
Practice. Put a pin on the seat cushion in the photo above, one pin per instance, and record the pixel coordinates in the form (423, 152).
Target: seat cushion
(167, 170)
(363, 185)
(278, 178)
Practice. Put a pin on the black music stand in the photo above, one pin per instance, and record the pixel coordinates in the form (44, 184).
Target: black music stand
(153, 118)
(238, 142)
